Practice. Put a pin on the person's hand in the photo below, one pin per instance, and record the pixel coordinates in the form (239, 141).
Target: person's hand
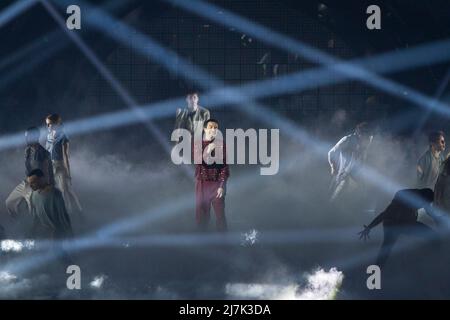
(364, 235)
(210, 148)
(332, 171)
(220, 192)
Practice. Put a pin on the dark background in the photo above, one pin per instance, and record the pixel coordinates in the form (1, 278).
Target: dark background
(337, 27)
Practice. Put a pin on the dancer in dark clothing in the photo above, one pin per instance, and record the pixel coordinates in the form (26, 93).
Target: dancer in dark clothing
(36, 157)
(399, 218)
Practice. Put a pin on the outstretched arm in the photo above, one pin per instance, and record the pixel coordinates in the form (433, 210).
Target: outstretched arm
(364, 234)
(378, 219)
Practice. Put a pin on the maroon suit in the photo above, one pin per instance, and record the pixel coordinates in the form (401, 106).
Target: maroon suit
(209, 178)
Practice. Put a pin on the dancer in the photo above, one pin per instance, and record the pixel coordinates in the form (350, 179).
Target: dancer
(211, 177)
(442, 195)
(50, 218)
(347, 157)
(400, 217)
(193, 116)
(36, 157)
(429, 164)
(58, 146)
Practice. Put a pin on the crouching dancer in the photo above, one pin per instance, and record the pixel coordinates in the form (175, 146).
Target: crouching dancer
(50, 218)
(36, 157)
(400, 217)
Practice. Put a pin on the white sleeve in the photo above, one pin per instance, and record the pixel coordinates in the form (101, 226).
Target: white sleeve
(336, 149)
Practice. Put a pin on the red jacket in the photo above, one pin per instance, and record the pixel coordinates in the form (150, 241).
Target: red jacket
(212, 172)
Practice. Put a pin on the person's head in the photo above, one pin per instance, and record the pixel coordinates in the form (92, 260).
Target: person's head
(210, 127)
(192, 99)
(362, 129)
(437, 140)
(32, 135)
(363, 132)
(53, 121)
(36, 179)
